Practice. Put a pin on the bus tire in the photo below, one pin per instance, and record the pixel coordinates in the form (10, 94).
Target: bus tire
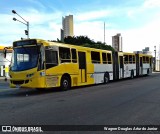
(65, 83)
(106, 78)
(132, 74)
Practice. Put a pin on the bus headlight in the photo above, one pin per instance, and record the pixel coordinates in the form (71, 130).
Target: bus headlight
(42, 74)
(29, 75)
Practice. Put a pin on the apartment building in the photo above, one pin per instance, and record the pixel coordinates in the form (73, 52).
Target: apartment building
(67, 27)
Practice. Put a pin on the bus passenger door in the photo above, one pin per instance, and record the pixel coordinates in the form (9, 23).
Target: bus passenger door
(121, 71)
(137, 65)
(150, 63)
(82, 67)
(51, 57)
(141, 66)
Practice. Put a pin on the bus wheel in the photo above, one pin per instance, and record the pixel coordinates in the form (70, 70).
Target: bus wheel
(65, 83)
(106, 78)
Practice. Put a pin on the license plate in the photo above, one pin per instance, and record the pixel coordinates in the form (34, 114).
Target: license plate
(17, 86)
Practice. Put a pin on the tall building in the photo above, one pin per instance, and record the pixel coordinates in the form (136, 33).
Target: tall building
(67, 27)
(117, 42)
(144, 51)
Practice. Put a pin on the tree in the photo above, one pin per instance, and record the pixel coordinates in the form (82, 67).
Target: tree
(86, 42)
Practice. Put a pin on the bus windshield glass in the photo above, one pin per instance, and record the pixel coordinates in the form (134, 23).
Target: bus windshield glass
(24, 58)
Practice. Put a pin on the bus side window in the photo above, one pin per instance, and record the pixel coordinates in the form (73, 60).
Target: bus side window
(104, 58)
(51, 58)
(64, 54)
(125, 59)
(109, 59)
(144, 59)
(95, 57)
(74, 55)
(133, 58)
(130, 59)
(147, 59)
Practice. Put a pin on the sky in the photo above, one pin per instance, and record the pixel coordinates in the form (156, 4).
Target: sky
(138, 21)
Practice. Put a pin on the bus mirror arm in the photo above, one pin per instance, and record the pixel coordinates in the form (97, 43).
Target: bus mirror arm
(5, 52)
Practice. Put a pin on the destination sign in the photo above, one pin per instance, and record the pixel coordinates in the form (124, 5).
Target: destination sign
(24, 43)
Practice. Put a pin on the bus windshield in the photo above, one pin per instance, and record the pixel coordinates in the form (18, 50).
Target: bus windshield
(24, 58)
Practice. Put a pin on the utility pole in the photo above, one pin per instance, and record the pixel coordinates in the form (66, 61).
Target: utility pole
(104, 32)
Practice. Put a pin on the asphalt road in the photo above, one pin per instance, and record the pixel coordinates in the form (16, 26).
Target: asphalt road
(126, 102)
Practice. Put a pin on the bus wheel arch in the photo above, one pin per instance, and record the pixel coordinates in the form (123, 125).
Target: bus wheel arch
(65, 83)
(106, 78)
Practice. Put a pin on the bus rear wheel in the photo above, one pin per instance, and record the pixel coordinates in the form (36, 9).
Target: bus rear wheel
(65, 83)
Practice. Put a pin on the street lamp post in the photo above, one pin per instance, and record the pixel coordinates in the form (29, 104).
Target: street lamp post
(25, 23)
(104, 33)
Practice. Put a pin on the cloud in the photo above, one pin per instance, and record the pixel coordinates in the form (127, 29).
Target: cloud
(92, 15)
(134, 39)
(42, 25)
(151, 4)
(94, 30)
(37, 3)
(47, 25)
(38, 17)
(144, 10)
(139, 38)
(90, 29)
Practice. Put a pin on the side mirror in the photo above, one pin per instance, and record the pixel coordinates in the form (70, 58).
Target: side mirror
(5, 51)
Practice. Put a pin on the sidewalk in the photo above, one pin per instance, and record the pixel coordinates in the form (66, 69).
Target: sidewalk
(156, 72)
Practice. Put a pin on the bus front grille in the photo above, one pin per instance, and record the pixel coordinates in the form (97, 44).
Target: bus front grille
(19, 82)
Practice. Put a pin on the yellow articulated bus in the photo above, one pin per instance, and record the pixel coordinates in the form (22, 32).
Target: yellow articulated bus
(42, 64)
